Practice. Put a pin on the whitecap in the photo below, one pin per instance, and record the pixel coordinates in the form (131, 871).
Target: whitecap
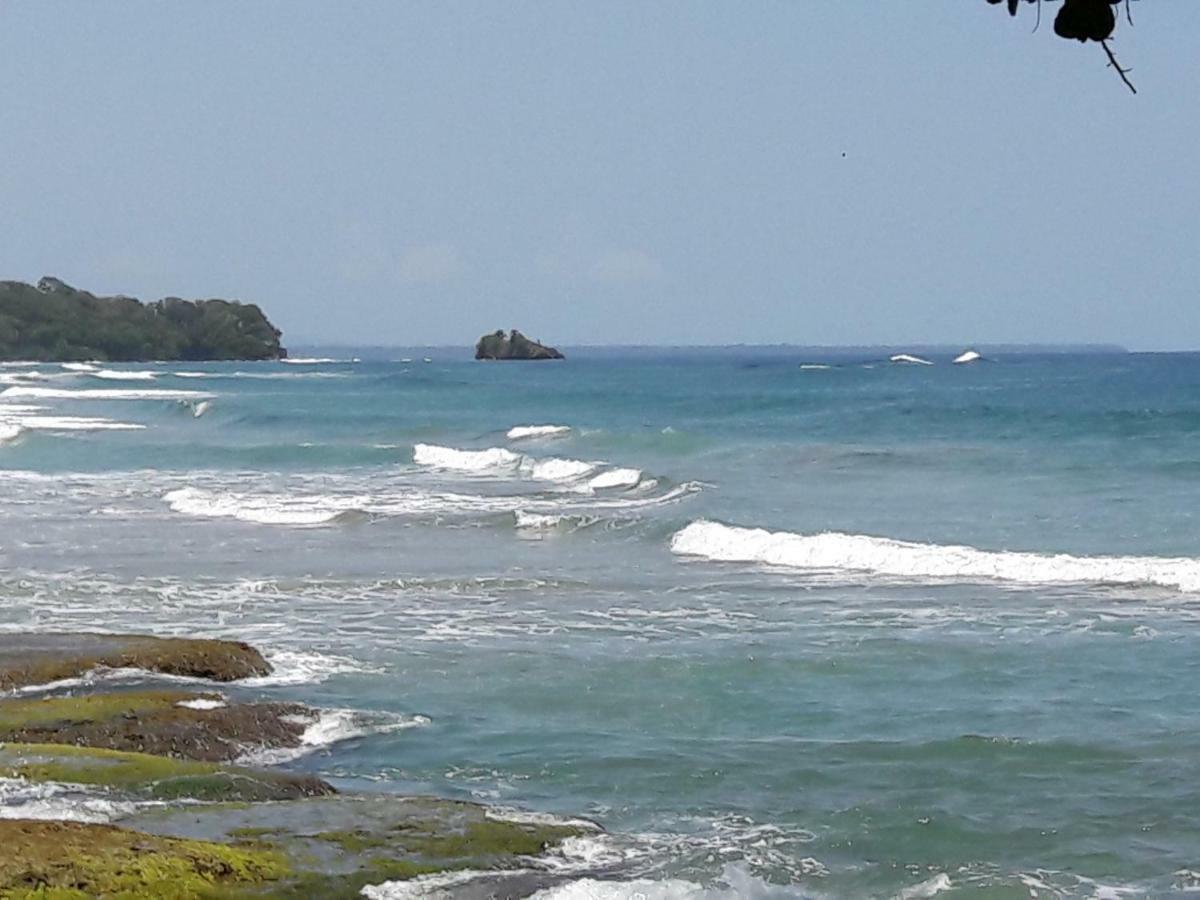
(72, 423)
(202, 703)
(103, 394)
(616, 478)
(447, 458)
(555, 469)
(263, 510)
(78, 367)
(123, 375)
(909, 359)
(9, 432)
(833, 551)
(525, 432)
(292, 667)
(967, 356)
(332, 726)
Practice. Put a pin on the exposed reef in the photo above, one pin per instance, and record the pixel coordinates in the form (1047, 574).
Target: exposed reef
(514, 345)
(168, 723)
(55, 322)
(31, 659)
(136, 792)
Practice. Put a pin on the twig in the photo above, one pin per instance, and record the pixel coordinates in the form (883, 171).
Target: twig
(1112, 61)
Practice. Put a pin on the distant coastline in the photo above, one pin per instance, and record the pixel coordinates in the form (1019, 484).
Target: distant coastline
(55, 322)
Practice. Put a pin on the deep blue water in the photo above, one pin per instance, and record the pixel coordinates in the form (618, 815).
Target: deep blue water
(964, 659)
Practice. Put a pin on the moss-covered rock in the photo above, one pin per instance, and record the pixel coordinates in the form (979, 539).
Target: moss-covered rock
(141, 776)
(161, 722)
(30, 659)
(342, 843)
(64, 860)
(514, 345)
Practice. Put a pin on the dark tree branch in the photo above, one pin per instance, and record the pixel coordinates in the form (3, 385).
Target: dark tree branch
(1112, 61)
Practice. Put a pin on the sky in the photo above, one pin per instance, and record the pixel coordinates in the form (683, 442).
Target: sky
(837, 172)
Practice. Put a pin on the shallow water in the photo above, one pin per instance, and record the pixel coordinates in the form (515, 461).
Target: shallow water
(849, 631)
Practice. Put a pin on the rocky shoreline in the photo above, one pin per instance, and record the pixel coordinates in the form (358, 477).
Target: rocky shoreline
(111, 788)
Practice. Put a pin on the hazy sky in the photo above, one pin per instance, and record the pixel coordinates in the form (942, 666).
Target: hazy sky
(812, 171)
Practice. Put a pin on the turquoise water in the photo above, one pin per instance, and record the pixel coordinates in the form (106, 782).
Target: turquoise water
(960, 659)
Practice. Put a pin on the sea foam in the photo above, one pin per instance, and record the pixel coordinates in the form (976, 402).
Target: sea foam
(331, 726)
(832, 551)
(449, 459)
(103, 394)
(525, 432)
(123, 375)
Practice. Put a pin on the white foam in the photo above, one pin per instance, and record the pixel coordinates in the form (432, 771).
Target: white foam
(909, 359)
(291, 667)
(814, 366)
(202, 703)
(123, 375)
(332, 726)
(262, 510)
(967, 356)
(525, 432)
(70, 423)
(20, 799)
(616, 478)
(315, 360)
(103, 394)
(78, 367)
(447, 458)
(555, 469)
(201, 408)
(537, 521)
(907, 560)
(192, 374)
(9, 432)
(426, 887)
(931, 887)
(736, 883)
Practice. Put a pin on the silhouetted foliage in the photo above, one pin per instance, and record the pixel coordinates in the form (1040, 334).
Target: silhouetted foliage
(56, 322)
(1084, 20)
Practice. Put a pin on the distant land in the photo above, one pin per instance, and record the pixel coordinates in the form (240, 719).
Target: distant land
(54, 322)
(798, 352)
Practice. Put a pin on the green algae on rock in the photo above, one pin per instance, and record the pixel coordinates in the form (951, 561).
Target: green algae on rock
(141, 776)
(343, 843)
(64, 860)
(41, 658)
(169, 723)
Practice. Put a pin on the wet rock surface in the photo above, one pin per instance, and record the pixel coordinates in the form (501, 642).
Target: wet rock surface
(36, 659)
(109, 788)
(170, 723)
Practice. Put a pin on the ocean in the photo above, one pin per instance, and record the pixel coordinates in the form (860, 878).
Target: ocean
(784, 623)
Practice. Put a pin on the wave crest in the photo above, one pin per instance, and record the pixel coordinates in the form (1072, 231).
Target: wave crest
(833, 551)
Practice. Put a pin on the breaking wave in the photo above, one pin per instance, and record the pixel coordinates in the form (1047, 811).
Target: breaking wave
(449, 459)
(18, 392)
(581, 475)
(263, 509)
(832, 551)
(122, 375)
(525, 432)
(326, 727)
